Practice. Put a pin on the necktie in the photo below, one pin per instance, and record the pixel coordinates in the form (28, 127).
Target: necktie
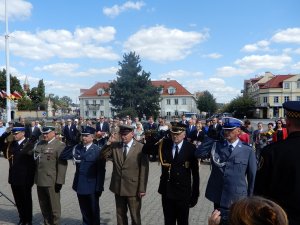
(124, 152)
(84, 149)
(230, 148)
(176, 152)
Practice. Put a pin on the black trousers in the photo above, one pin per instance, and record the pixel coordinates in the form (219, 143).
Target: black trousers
(23, 199)
(176, 210)
(90, 209)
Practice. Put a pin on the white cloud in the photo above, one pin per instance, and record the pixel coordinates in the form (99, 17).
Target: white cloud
(177, 74)
(117, 9)
(163, 44)
(68, 69)
(45, 44)
(213, 56)
(290, 35)
(229, 71)
(217, 86)
(296, 66)
(263, 62)
(259, 46)
(16, 9)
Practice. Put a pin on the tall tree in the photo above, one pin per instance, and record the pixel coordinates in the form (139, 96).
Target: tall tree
(207, 103)
(37, 95)
(241, 106)
(133, 93)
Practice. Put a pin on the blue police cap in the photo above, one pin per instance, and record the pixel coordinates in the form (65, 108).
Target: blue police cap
(292, 109)
(17, 130)
(88, 130)
(47, 129)
(230, 123)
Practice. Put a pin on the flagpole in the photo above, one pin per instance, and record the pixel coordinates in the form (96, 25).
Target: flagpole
(8, 106)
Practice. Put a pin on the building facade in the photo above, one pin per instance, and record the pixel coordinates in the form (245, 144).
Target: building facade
(270, 91)
(175, 100)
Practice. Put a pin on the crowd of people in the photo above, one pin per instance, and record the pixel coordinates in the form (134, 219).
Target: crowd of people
(244, 162)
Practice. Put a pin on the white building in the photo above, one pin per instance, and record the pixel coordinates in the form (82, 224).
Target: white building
(175, 100)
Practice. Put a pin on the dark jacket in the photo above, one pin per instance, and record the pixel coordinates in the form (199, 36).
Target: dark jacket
(90, 171)
(278, 176)
(183, 182)
(21, 165)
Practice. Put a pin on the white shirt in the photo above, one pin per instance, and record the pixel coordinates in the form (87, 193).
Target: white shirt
(128, 146)
(88, 146)
(234, 144)
(174, 148)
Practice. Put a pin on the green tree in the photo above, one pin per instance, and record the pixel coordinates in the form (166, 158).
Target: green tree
(241, 106)
(133, 91)
(64, 103)
(207, 103)
(37, 95)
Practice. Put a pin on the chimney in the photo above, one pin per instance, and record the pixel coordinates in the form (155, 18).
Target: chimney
(168, 79)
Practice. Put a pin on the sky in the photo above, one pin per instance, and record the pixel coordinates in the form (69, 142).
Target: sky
(209, 45)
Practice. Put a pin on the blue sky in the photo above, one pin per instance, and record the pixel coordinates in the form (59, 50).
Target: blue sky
(209, 45)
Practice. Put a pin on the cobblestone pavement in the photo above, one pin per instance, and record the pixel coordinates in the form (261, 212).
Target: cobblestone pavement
(151, 210)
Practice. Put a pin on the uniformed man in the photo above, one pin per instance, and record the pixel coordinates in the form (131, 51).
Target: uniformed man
(21, 175)
(278, 175)
(233, 167)
(89, 176)
(130, 174)
(50, 175)
(179, 181)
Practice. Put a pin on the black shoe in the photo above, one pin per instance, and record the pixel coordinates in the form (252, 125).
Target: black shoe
(20, 222)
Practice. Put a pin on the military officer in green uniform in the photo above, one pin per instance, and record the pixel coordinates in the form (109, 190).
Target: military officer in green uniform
(50, 175)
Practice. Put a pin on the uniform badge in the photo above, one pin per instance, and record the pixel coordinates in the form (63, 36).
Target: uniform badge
(187, 164)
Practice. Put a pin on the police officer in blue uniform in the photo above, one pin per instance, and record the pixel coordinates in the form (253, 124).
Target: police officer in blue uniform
(278, 175)
(233, 168)
(89, 176)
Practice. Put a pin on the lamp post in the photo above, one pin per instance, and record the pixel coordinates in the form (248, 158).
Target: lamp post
(8, 107)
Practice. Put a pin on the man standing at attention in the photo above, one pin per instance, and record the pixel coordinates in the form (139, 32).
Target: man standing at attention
(278, 175)
(179, 181)
(233, 168)
(130, 174)
(50, 175)
(21, 175)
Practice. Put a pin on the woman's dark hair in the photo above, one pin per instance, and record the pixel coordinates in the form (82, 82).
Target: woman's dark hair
(256, 210)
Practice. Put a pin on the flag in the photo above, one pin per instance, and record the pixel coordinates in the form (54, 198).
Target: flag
(4, 94)
(16, 95)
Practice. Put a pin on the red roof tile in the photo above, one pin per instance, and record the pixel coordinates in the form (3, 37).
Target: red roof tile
(276, 82)
(180, 90)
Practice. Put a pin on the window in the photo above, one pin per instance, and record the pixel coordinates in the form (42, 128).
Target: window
(265, 99)
(101, 113)
(87, 113)
(168, 113)
(298, 98)
(94, 102)
(168, 101)
(171, 90)
(183, 101)
(100, 91)
(276, 99)
(101, 102)
(176, 113)
(286, 98)
(298, 83)
(176, 101)
(286, 85)
(86, 102)
(94, 113)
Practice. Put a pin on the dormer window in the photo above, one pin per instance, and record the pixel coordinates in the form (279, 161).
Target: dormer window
(100, 91)
(171, 90)
(160, 90)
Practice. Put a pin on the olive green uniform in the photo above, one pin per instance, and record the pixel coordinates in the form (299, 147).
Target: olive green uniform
(50, 170)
